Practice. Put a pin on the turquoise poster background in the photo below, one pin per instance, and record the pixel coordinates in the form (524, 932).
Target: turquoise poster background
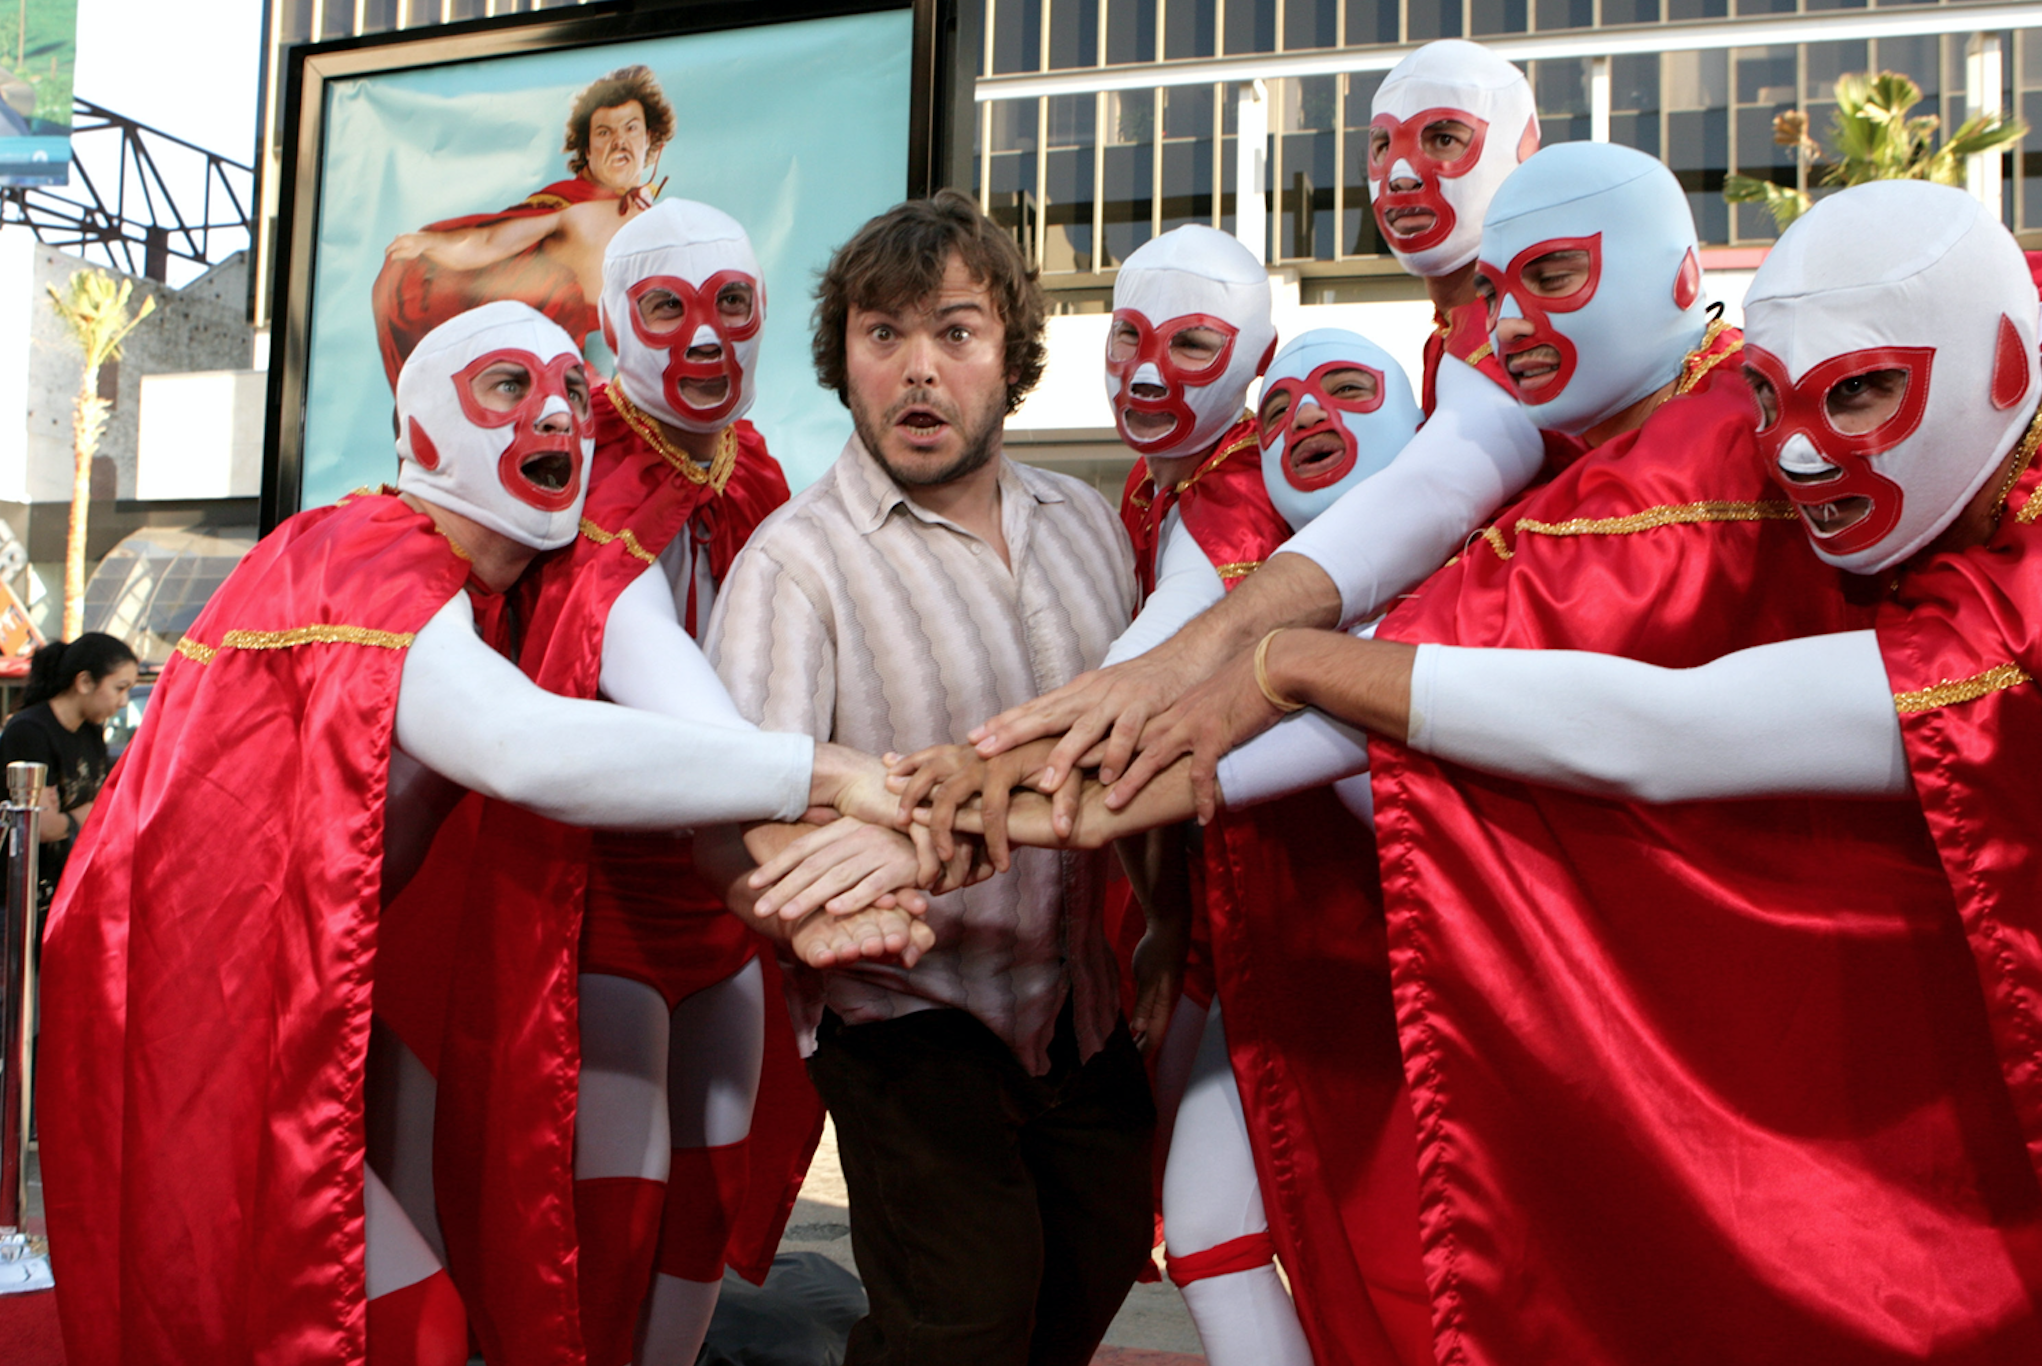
(799, 131)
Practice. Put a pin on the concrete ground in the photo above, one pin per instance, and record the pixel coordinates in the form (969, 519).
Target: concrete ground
(1152, 1329)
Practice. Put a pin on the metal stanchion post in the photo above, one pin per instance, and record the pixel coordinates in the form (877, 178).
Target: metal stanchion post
(20, 818)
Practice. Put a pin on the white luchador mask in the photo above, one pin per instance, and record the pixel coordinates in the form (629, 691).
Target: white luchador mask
(493, 423)
(683, 304)
(1594, 246)
(1335, 409)
(1190, 333)
(1448, 124)
(1890, 338)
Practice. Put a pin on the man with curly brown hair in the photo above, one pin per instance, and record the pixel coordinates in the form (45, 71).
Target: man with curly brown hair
(992, 1114)
(547, 249)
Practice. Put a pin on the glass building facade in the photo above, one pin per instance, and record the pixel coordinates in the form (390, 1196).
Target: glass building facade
(1101, 123)
(1083, 177)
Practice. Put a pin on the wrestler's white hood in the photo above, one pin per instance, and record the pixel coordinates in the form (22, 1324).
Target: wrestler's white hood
(1894, 275)
(1192, 276)
(1303, 469)
(1472, 85)
(701, 258)
(1623, 332)
(523, 471)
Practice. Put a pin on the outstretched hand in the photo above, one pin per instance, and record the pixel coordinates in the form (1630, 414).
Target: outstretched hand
(1219, 714)
(948, 778)
(875, 934)
(1105, 711)
(848, 865)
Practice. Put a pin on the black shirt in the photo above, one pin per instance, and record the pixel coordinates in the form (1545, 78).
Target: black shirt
(77, 763)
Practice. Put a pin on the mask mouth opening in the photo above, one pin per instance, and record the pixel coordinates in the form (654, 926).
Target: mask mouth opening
(1408, 221)
(1830, 519)
(1317, 458)
(1534, 367)
(704, 393)
(1147, 427)
(548, 470)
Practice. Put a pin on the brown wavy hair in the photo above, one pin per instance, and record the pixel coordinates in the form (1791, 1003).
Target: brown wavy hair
(624, 84)
(899, 258)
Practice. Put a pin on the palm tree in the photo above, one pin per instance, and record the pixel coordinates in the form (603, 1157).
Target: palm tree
(1877, 141)
(95, 307)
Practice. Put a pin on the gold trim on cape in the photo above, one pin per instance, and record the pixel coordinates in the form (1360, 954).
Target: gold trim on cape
(2023, 457)
(336, 634)
(1666, 514)
(1701, 360)
(1239, 569)
(716, 475)
(602, 537)
(1952, 690)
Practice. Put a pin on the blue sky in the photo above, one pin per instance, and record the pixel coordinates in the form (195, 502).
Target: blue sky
(189, 67)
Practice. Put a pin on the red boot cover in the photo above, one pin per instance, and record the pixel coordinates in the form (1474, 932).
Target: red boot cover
(1244, 1253)
(616, 1219)
(422, 1324)
(704, 1193)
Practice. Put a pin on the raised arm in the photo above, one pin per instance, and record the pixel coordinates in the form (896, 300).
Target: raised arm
(474, 248)
(650, 663)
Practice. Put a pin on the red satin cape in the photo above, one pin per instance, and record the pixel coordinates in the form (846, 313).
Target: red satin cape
(209, 960)
(412, 297)
(1695, 1083)
(1463, 333)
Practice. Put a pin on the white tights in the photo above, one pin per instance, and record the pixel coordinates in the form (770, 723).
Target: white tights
(1211, 1196)
(652, 1082)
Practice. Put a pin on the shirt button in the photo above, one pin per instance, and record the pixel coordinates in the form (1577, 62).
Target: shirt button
(977, 549)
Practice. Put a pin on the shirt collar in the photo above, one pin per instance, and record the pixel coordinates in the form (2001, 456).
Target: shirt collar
(871, 495)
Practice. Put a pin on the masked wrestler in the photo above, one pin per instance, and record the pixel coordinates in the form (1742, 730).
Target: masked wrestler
(546, 250)
(674, 1019)
(1451, 120)
(1758, 1022)
(212, 956)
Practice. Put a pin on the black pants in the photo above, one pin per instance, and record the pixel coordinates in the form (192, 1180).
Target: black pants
(998, 1219)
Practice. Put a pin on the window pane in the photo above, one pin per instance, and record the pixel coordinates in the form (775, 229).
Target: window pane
(1694, 87)
(1371, 22)
(379, 16)
(1067, 176)
(1676, 10)
(1557, 14)
(1305, 216)
(1560, 86)
(1189, 27)
(1630, 12)
(1010, 170)
(1357, 222)
(1251, 26)
(1765, 6)
(1017, 35)
(1074, 34)
(1187, 184)
(1130, 30)
(1429, 19)
(297, 21)
(1129, 170)
(1634, 103)
(1497, 16)
(1310, 23)
(338, 20)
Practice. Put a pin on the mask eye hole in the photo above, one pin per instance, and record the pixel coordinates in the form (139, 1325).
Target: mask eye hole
(1765, 395)
(1353, 385)
(734, 304)
(1195, 348)
(1557, 274)
(1378, 148)
(1122, 342)
(577, 392)
(1447, 139)
(661, 310)
(1275, 407)
(502, 386)
(1857, 404)
(1485, 290)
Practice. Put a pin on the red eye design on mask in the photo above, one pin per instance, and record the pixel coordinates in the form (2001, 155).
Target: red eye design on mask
(1150, 345)
(1407, 144)
(1319, 472)
(1802, 409)
(542, 465)
(699, 308)
(1527, 281)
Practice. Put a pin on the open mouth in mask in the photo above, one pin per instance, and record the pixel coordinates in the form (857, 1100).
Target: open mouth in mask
(1311, 459)
(549, 470)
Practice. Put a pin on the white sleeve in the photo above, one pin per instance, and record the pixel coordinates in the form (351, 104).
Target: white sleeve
(1809, 717)
(650, 663)
(1391, 530)
(1305, 750)
(1186, 584)
(466, 712)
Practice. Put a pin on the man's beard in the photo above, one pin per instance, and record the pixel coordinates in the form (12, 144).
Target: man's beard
(980, 445)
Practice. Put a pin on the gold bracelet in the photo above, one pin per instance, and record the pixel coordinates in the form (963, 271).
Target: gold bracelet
(1275, 698)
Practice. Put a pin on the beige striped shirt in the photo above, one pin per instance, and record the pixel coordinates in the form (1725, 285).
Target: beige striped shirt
(856, 615)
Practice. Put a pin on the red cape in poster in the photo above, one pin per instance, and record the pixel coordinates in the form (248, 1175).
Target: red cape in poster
(208, 964)
(1963, 647)
(1695, 1083)
(414, 295)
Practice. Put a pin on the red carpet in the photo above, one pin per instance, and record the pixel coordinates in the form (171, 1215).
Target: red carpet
(28, 1325)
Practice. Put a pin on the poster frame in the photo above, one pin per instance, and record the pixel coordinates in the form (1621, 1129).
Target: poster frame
(940, 111)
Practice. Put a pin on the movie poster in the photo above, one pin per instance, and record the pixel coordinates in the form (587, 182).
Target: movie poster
(38, 52)
(450, 183)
